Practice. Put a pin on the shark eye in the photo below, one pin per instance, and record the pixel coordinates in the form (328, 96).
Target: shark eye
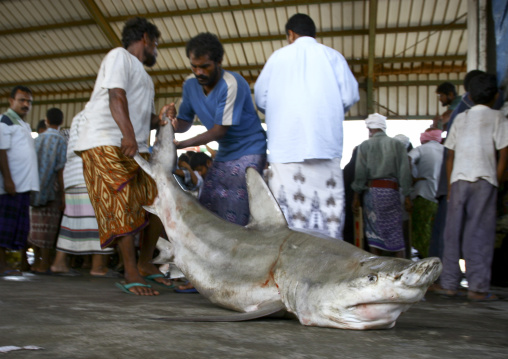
(372, 278)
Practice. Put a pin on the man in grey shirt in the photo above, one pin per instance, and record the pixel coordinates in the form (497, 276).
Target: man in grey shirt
(382, 167)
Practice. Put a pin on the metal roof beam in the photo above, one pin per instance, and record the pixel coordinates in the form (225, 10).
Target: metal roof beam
(172, 13)
(235, 40)
(102, 22)
(371, 59)
(187, 71)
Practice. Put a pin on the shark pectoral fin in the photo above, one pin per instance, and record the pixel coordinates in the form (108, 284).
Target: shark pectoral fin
(153, 207)
(144, 164)
(230, 317)
(264, 209)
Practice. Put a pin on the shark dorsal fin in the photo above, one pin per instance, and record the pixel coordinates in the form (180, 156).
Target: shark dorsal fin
(264, 209)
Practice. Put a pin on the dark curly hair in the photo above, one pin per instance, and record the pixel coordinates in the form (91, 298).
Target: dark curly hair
(199, 159)
(55, 116)
(20, 88)
(135, 28)
(483, 89)
(446, 88)
(205, 44)
(302, 25)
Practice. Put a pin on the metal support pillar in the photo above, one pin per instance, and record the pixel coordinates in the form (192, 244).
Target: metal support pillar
(372, 50)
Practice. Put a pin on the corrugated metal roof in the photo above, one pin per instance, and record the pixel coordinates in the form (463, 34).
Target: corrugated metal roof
(56, 46)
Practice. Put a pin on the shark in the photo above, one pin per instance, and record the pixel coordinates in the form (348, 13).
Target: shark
(266, 267)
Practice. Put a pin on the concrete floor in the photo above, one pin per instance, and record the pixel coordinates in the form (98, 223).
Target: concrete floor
(86, 317)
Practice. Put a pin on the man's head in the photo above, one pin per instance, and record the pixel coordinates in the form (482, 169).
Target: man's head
(469, 76)
(446, 93)
(375, 123)
(139, 29)
(20, 100)
(184, 158)
(200, 162)
(41, 126)
(54, 116)
(205, 53)
(300, 25)
(431, 134)
(483, 89)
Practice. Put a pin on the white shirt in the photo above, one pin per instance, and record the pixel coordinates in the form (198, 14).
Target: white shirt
(119, 69)
(475, 136)
(73, 170)
(18, 142)
(426, 160)
(304, 90)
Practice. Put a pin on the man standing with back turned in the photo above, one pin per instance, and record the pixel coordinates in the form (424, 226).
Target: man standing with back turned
(117, 124)
(304, 90)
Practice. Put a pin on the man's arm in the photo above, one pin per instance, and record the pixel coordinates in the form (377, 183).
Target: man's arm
(9, 185)
(449, 168)
(61, 185)
(120, 112)
(213, 134)
(501, 164)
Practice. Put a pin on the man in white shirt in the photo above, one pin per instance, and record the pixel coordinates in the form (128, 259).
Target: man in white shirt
(304, 90)
(118, 119)
(477, 154)
(19, 176)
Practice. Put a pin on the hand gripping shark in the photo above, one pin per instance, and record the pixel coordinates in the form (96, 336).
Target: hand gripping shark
(265, 267)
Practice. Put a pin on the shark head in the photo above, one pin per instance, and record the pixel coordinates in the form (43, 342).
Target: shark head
(370, 297)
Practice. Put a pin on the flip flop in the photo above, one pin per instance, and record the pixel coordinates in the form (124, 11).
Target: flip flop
(189, 290)
(489, 297)
(186, 290)
(152, 277)
(126, 287)
(11, 273)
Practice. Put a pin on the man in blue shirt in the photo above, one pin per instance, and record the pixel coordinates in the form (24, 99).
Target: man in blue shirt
(222, 101)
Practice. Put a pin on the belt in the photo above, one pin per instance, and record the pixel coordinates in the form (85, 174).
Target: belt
(380, 183)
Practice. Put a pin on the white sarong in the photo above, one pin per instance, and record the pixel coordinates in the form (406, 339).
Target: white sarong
(311, 195)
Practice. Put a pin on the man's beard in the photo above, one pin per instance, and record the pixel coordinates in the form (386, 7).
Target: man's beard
(209, 80)
(150, 59)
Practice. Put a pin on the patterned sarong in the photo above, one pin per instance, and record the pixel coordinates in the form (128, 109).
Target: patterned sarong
(118, 188)
(224, 189)
(14, 220)
(45, 223)
(382, 217)
(79, 232)
(311, 195)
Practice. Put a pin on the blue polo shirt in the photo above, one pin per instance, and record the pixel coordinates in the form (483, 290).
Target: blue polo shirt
(228, 104)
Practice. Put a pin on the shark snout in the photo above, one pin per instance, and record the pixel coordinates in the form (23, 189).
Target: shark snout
(421, 273)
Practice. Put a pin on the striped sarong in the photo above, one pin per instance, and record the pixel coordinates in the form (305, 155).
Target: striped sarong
(118, 188)
(382, 219)
(79, 232)
(14, 220)
(311, 195)
(224, 190)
